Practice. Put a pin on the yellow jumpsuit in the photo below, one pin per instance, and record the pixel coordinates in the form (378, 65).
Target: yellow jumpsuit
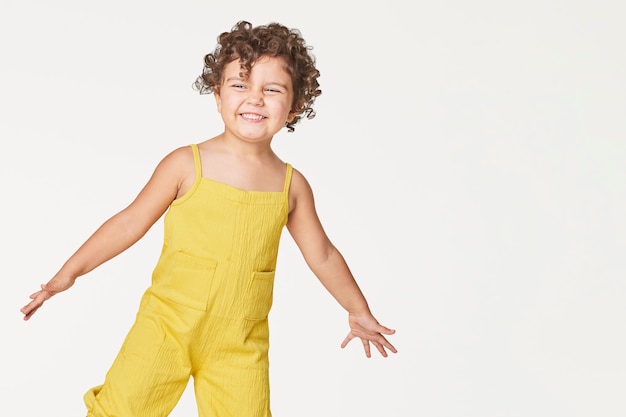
(205, 314)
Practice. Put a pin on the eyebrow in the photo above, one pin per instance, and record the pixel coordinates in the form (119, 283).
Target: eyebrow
(278, 85)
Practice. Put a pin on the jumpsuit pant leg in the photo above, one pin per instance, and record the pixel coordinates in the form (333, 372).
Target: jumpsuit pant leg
(231, 377)
(149, 374)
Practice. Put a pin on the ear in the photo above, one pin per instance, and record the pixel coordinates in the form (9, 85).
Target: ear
(291, 115)
(218, 100)
(294, 112)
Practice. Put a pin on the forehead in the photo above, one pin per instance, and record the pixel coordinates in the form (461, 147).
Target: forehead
(268, 65)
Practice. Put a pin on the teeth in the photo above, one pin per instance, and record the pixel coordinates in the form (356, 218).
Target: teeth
(250, 116)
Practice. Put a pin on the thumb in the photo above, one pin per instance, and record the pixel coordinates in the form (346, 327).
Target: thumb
(49, 289)
(386, 330)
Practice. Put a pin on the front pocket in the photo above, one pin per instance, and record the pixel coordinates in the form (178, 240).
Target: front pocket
(259, 295)
(189, 283)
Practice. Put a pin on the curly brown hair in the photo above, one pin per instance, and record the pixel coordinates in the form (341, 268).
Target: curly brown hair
(248, 43)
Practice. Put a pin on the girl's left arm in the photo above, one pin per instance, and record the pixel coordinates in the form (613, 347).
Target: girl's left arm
(329, 266)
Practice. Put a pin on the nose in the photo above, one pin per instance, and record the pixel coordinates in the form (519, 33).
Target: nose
(255, 97)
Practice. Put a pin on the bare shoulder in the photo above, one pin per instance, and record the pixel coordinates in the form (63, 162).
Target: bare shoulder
(299, 184)
(182, 155)
(177, 168)
(300, 191)
(180, 161)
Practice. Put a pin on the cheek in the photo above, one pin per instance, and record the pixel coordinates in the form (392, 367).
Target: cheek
(226, 105)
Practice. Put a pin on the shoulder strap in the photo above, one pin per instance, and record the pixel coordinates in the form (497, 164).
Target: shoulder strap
(288, 178)
(196, 160)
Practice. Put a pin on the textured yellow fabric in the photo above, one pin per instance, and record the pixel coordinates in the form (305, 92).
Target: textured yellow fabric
(205, 314)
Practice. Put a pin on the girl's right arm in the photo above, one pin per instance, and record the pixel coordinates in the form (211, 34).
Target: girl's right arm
(331, 269)
(122, 230)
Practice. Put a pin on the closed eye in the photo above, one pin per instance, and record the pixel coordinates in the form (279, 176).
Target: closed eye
(275, 88)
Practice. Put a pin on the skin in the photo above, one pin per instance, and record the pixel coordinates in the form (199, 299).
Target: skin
(253, 111)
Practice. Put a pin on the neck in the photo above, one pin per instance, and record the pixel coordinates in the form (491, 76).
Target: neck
(247, 149)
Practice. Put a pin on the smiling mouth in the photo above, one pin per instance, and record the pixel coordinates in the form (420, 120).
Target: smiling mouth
(252, 116)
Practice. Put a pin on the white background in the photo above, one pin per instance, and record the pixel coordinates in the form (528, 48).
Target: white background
(467, 159)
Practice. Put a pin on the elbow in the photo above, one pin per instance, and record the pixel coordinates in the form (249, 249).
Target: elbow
(322, 257)
(130, 228)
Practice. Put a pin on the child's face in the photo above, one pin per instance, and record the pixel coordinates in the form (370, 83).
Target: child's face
(257, 107)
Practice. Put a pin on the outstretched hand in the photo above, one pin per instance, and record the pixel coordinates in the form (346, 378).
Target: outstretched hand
(367, 328)
(54, 286)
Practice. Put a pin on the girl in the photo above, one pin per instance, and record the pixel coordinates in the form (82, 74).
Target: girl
(227, 201)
